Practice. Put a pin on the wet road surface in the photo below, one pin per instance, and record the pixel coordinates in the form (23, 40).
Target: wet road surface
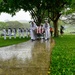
(29, 58)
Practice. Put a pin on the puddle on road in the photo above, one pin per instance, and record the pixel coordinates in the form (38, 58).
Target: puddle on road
(28, 58)
(21, 51)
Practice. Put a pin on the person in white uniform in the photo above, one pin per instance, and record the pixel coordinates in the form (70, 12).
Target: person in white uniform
(14, 32)
(33, 27)
(19, 32)
(47, 30)
(4, 33)
(23, 32)
(27, 32)
(9, 32)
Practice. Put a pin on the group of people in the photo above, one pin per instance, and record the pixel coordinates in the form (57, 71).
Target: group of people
(44, 31)
(21, 32)
(36, 31)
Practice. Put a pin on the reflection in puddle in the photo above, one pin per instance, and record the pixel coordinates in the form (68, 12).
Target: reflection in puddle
(47, 43)
(36, 55)
(21, 51)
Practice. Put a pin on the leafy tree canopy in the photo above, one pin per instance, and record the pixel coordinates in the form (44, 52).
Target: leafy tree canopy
(40, 9)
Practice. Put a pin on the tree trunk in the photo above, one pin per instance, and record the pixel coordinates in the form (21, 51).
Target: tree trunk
(39, 20)
(55, 28)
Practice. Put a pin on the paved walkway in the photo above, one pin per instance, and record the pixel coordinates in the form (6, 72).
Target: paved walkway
(29, 58)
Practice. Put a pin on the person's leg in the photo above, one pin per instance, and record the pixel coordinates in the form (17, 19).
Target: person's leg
(9, 36)
(51, 33)
(4, 36)
(46, 34)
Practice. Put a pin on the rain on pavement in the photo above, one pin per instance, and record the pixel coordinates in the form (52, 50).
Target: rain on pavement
(28, 58)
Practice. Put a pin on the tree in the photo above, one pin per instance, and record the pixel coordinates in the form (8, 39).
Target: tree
(3, 25)
(38, 13)
(40, 9)
(55, 9)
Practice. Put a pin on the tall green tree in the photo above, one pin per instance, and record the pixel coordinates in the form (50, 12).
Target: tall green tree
(38, 12)
(40, 9)
(55, 9)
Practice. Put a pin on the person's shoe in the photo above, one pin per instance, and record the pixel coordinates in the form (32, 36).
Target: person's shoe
(32, 40)
(47, 38)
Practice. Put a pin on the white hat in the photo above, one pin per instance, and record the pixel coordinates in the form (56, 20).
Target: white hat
(31, 21)
(46, 20)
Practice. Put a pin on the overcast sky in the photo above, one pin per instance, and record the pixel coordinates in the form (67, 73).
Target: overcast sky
(21, 15)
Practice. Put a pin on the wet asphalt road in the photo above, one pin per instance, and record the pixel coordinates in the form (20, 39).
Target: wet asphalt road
(29, 58)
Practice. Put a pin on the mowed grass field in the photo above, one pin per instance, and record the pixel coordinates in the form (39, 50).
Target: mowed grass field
(63, 56)
(12, 41)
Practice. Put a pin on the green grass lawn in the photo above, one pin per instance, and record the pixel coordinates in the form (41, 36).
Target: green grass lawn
(63, 56)
(12, 41)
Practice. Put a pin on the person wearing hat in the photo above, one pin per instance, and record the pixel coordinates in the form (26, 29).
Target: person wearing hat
(9, 32)
(26, 32)
(19, 32)
(14, 31)
(51, 31)
(61, 30)
(33, 27)
(46, 27)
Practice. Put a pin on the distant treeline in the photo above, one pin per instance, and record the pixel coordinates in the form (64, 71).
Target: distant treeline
(17, 24)
(13, 24)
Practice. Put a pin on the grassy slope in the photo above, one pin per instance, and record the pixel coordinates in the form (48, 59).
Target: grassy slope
(8, 42)
(63, 56)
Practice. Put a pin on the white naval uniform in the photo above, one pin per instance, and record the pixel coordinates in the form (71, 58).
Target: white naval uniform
(4, 33)
(14, 31)
(19, 32)
(9, 33)
(47, 31)
(23, 33)
(32, 29)
(26, 32)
